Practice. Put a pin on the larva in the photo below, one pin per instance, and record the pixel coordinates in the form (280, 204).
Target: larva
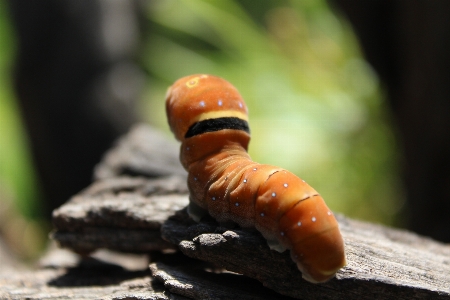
(209, 117)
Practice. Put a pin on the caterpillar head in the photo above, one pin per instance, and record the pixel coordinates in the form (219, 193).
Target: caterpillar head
(195, 98)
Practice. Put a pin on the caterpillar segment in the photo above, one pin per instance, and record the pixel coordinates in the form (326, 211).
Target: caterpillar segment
(208, 115)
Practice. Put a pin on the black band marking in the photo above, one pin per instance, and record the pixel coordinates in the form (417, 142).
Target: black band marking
(217, 124)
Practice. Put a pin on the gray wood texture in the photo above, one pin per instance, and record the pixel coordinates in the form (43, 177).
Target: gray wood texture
(147, 215)
(144, 151)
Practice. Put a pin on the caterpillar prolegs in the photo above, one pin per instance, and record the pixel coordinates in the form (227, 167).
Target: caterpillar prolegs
(209, 117)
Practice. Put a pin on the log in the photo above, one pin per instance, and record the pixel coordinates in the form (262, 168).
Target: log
(195, 283)
(382, 262)
(123, 214)
(145, 151)
(91, 279)
(147, 215)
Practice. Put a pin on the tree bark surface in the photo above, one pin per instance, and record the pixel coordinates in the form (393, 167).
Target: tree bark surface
(147, 216)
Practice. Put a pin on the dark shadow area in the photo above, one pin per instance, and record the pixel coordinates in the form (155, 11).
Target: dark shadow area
(212, 282)
(76, 83)
(407, 44)
(91, 272)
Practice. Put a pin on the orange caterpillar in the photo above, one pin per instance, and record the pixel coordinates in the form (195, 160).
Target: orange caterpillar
(208, 115)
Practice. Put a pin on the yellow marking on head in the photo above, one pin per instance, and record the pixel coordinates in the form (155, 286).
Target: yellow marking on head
(221, 114)
(192, 82)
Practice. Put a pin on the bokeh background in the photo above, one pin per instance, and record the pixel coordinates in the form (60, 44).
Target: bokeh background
(330, 87)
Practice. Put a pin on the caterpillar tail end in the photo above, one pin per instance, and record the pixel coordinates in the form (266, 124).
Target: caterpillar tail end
(321, 256)
(325, 272)
(322, 276)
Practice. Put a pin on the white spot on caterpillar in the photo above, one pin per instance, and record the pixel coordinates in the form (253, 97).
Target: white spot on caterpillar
(274, 194)
(245, 180)
(195, 178)
(240, 104)
(219, 102)
(285, 185)
(262, 214)
(282, 233)
(313, 219)
(187, 148)
(237, 204)
(213, 198)
(299, 223)
(329, 213)
(202, 103)
(254, 169)
(303, 180)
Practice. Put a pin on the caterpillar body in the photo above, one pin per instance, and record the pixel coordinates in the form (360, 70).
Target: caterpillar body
(209, 117)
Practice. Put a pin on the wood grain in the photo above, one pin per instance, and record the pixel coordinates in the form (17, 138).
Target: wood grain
(143, 214)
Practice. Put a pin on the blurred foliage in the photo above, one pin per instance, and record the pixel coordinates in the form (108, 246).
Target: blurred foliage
(316, 106)
(20, 224)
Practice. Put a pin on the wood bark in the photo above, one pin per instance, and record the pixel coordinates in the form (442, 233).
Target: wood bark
(148, 216)
(382, 262)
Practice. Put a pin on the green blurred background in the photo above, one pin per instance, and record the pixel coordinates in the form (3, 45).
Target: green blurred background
(316, 106)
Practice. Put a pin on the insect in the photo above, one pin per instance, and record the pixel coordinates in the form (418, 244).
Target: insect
(208, 115)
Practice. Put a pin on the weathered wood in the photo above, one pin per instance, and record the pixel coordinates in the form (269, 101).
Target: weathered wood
(196, 283)
(141, 215)
(123, 214)
(382, 262)
(90, 280)
(145, 151)
(62, 274)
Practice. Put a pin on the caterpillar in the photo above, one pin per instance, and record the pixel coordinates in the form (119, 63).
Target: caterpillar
(210, 118)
